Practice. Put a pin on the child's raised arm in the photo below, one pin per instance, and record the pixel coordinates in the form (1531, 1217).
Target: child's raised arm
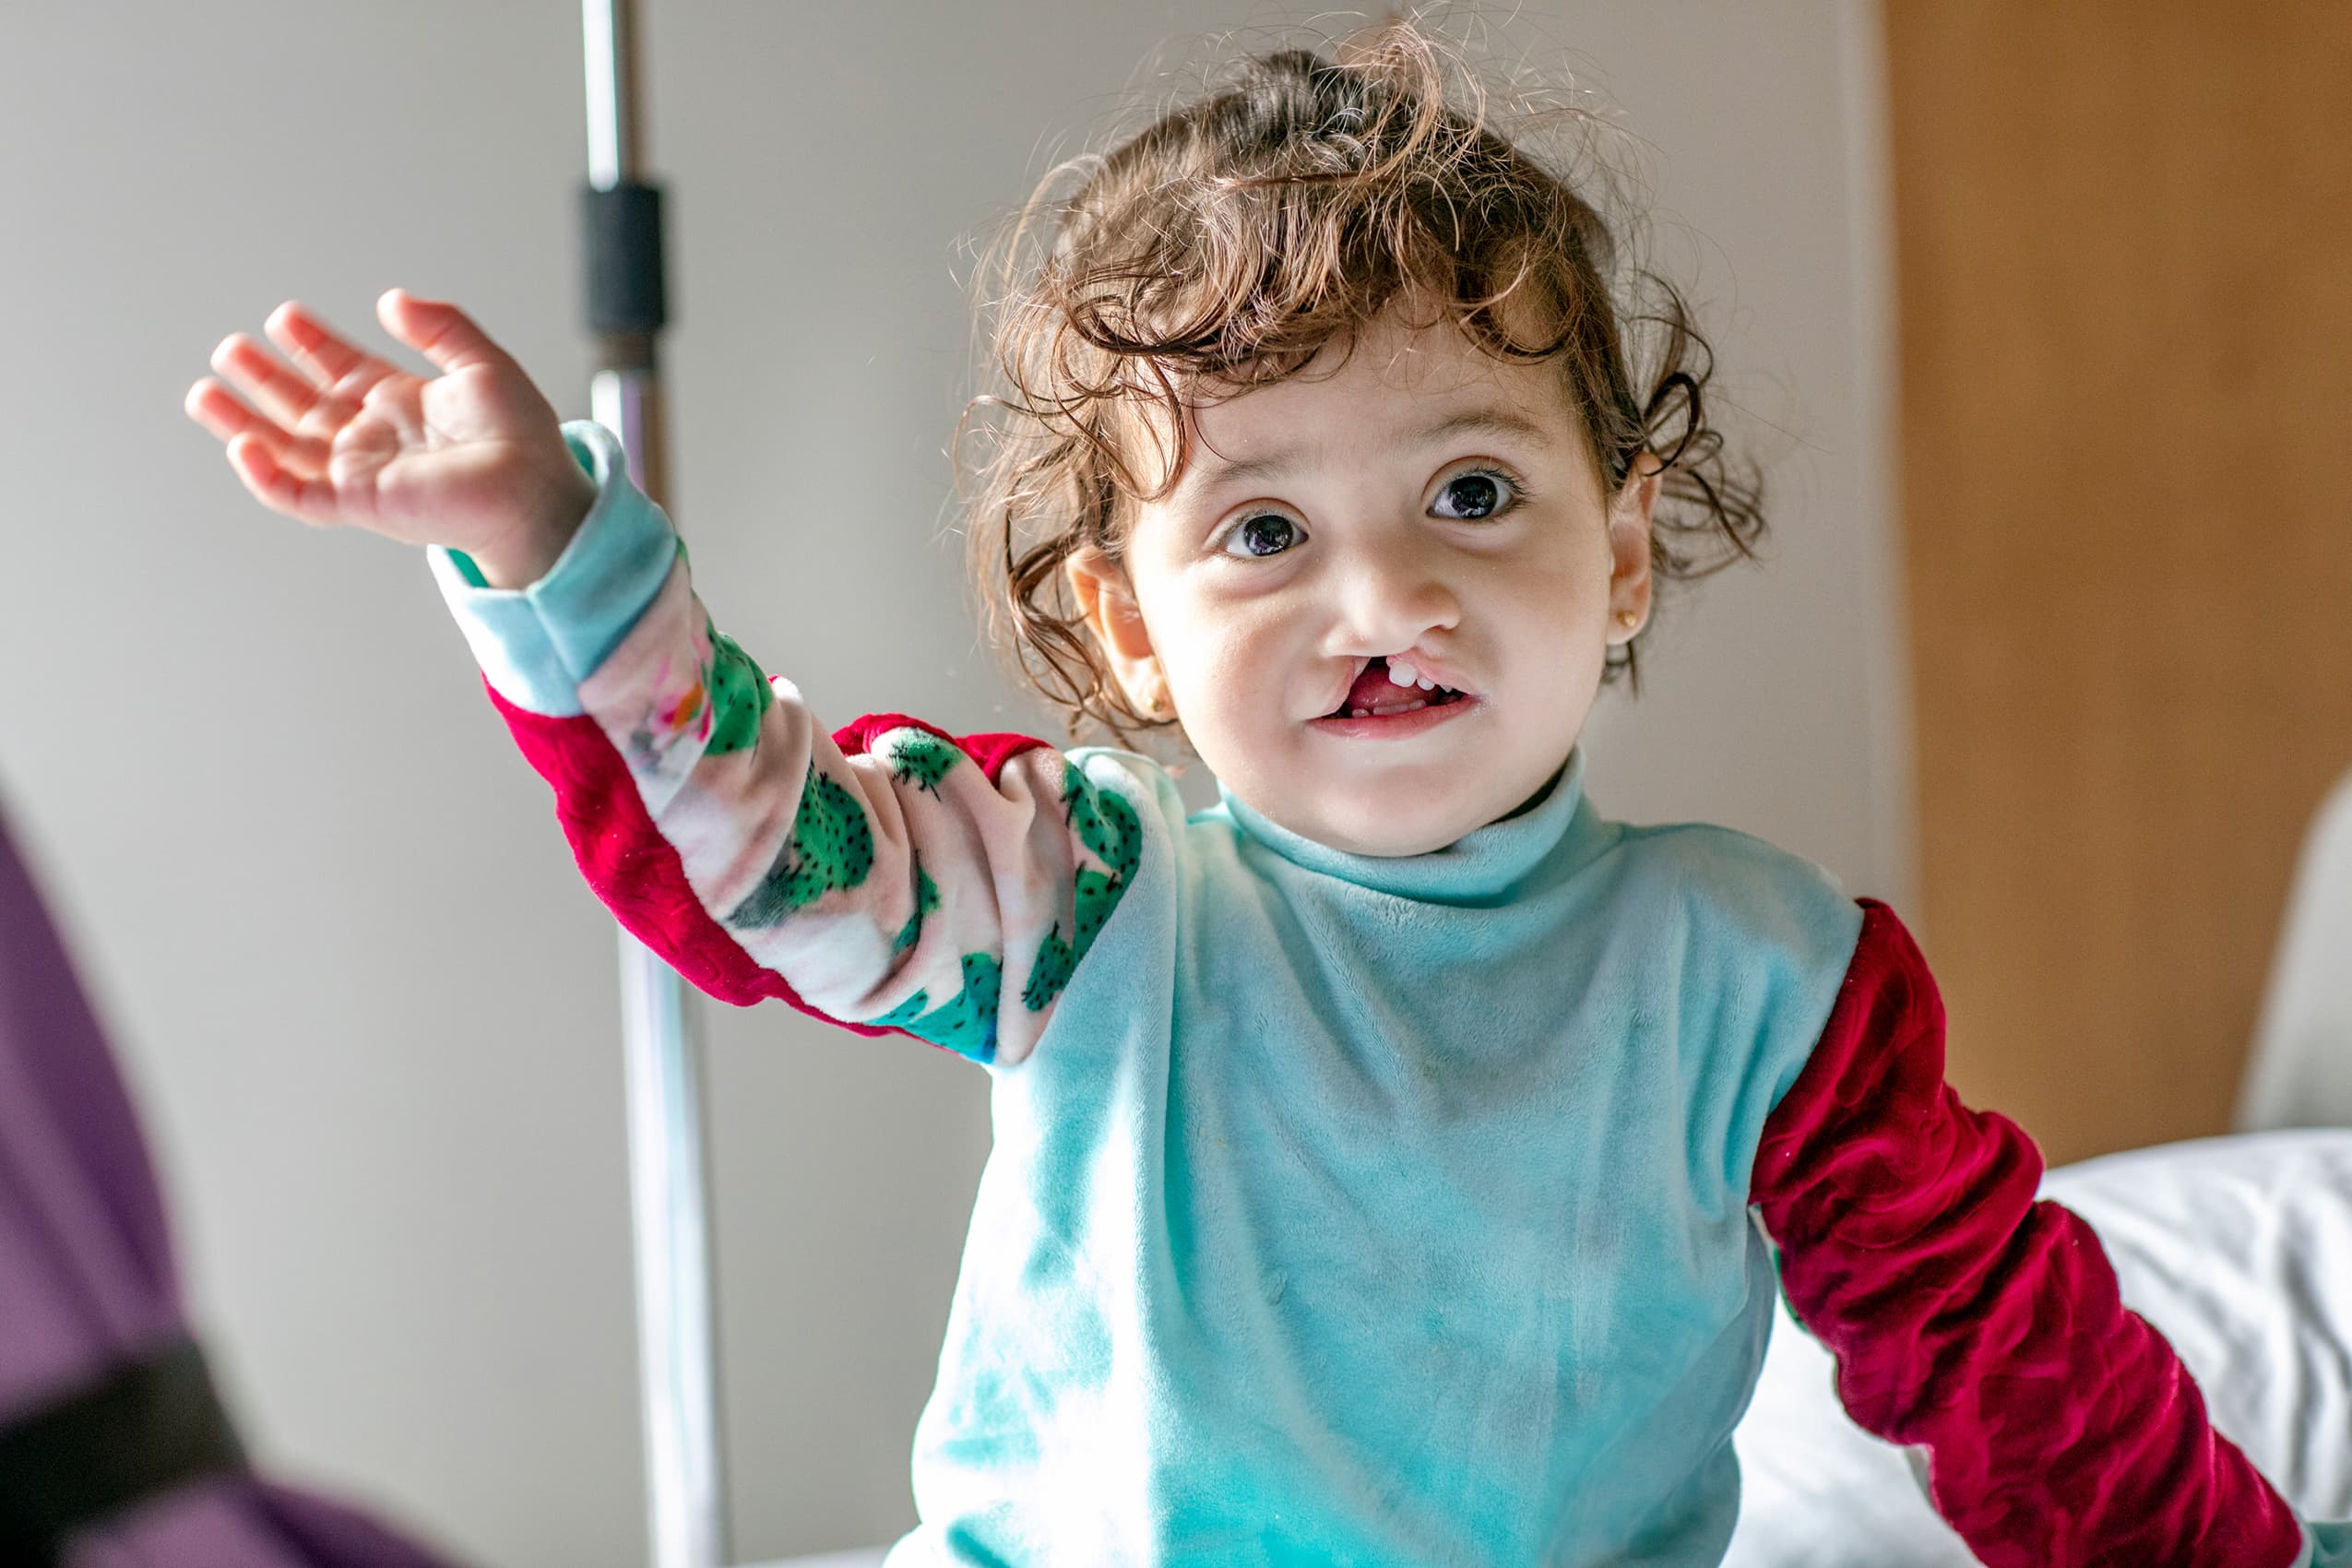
(887, 877)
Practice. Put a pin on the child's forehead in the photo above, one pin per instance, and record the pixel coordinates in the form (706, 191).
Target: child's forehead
(1389, 386)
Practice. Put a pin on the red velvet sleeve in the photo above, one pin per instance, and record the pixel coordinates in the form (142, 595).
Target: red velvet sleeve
(1965, 1316)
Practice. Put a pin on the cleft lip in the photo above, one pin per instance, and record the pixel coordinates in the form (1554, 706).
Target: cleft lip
(1422, 665)
(1436, 668)
(1339, 704)
(1436, 671)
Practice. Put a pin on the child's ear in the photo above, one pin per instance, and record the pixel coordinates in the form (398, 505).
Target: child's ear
(1628, 547)
(1108, 602)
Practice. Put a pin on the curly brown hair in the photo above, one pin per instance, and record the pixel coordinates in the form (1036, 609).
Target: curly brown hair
(1227, 243)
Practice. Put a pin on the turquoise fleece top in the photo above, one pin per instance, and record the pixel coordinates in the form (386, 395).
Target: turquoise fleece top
(1384, 1211)
(1341, 1209)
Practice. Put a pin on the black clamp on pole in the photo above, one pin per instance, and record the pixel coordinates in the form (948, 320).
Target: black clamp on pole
(627, 303)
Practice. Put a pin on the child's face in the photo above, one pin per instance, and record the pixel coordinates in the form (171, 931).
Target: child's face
(1425, 502)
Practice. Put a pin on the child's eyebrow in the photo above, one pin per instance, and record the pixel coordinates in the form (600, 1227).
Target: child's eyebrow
(1479, 421)
(1208, 469)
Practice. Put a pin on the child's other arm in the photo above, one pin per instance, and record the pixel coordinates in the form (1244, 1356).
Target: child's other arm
(1967, 1317)
(886, 877)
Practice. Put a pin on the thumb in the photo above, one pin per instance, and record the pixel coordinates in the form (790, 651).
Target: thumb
(438, 330)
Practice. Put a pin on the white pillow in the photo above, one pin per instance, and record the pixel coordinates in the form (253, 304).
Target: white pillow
(2239, 1249)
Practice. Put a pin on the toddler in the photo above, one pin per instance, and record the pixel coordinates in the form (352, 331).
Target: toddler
(1395, 1161)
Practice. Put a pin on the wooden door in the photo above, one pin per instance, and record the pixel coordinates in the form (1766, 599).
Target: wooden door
(2124, 260)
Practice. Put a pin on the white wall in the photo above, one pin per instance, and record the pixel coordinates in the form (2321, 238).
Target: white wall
(367, 1008)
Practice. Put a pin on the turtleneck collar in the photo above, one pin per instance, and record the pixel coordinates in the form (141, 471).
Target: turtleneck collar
(1480, 865)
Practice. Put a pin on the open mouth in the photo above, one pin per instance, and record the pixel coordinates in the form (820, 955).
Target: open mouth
(1383, 691)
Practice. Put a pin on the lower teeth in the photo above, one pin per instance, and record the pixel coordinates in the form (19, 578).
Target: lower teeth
(1438, 699)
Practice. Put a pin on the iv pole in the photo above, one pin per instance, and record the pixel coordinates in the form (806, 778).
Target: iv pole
(662, 1057)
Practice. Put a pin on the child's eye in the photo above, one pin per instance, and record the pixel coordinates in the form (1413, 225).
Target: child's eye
(1480, 493)
(1266, 533)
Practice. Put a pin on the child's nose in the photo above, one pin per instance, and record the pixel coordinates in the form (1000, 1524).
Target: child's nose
(1389, 596)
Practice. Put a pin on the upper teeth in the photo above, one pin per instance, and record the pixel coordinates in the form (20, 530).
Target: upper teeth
(1402, 674)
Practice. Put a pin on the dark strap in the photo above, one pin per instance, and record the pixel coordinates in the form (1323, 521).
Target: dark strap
(146, 1428)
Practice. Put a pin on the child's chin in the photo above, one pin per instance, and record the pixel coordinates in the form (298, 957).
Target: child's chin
(1397, 832)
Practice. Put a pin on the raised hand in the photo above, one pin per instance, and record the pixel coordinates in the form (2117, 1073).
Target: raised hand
(473, 457)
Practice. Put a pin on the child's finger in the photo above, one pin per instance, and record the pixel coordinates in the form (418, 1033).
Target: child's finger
(438, 330)
(307, 500)
(277, 391)
(329, 361)
(212, 406)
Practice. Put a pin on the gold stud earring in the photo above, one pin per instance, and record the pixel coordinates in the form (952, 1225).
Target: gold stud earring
(1627, 618)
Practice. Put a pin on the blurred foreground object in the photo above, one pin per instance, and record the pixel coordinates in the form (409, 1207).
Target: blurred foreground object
(114, 1449)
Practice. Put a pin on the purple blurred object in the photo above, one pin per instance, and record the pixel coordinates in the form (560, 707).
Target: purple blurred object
(88, 1284)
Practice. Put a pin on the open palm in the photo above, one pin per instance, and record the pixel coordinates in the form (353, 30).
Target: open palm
(473, 457)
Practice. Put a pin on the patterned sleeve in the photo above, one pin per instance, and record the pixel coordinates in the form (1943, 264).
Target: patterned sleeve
(886, 877)
(1971, 1320)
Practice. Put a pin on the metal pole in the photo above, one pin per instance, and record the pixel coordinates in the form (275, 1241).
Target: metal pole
(662, 1059)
